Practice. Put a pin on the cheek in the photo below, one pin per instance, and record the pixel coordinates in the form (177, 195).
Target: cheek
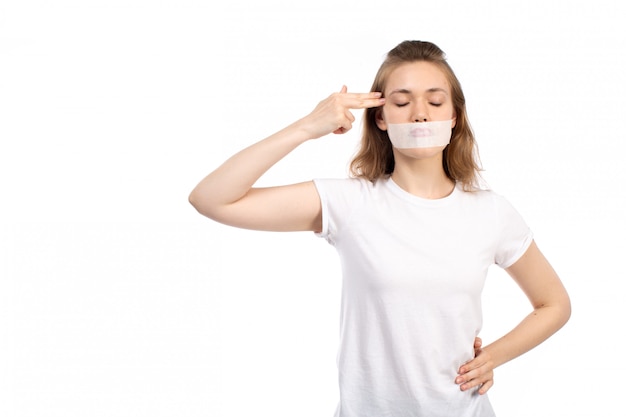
(453, 115)
(393, 114)
(389, 114)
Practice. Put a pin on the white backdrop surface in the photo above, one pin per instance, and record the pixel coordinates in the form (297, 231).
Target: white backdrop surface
(118, 299)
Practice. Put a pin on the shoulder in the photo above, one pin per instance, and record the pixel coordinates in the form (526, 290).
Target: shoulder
(349, 182)
(488, 204)
(347, 188)
(498, 209)
(483, 196)
(339, 199)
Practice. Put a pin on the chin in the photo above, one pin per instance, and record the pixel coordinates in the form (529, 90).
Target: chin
(420, 153)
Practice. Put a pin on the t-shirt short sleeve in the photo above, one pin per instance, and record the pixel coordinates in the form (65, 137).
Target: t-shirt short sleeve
(514, 234)
(338, 197)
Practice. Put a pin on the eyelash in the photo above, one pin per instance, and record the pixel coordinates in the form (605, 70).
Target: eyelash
(432, 104)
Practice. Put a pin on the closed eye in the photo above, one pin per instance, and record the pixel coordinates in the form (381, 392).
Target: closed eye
(401, 104)
(435, 104)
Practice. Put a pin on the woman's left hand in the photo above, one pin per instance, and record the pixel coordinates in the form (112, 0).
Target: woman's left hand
(478, 372)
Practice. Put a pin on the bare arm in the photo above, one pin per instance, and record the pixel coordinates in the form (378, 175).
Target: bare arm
(551, 310)
(227, 194)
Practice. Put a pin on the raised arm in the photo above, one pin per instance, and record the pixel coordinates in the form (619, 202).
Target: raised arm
(227, 195)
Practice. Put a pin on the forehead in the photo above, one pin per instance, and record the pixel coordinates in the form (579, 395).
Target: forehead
(418, 76)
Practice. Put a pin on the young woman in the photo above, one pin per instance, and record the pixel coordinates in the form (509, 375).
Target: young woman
(415, 235)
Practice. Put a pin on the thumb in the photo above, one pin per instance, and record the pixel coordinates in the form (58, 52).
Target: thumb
(344, 89)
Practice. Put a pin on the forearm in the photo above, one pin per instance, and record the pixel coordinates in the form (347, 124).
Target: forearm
(226, 195)
(551, 310)
(538, 326)
(235, 177)
(550, 301)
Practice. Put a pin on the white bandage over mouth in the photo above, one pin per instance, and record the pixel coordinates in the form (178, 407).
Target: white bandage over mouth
(420, 135)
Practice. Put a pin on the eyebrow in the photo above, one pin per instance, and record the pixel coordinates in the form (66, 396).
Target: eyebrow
(430, 90)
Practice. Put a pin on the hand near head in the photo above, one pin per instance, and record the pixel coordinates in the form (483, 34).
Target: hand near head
(333, 114)
(477, 372)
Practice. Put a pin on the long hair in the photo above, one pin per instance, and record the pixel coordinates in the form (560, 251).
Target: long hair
(374, 158)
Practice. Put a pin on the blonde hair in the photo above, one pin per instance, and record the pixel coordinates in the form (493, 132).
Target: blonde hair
(374, 158)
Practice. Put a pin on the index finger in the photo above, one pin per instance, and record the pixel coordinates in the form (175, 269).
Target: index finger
(364, 100)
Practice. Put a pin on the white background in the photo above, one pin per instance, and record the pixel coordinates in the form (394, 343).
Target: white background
(118, 299)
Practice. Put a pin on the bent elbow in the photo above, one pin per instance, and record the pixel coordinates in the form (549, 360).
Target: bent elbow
(194, 199)
(563, 311)
(200, 202)
(566, 310)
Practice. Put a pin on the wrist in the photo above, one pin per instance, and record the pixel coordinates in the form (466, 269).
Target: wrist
(306, 130)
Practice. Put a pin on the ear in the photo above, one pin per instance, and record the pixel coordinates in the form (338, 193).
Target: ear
(453, 120)
(380, 120)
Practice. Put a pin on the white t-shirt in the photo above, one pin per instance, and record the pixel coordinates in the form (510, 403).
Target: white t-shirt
(413, 273)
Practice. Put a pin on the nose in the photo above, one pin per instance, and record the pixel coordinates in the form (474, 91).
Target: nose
(420, 113)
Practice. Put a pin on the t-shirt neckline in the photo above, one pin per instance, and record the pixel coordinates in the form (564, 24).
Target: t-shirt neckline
(411, 198)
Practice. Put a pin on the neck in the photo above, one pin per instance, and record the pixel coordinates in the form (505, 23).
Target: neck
(423, 178)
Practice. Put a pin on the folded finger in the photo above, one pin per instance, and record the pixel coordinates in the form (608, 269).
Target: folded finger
(478, 342)
(485, 387)
(470, 365)
(472, 381)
